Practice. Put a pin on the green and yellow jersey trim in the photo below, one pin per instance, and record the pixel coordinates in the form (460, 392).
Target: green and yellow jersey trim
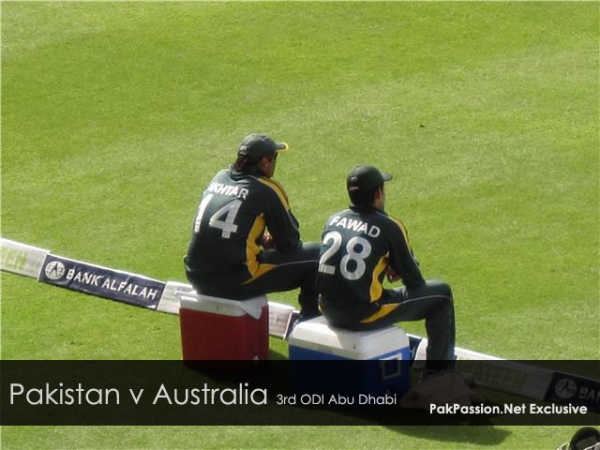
(383, 311)
(402, 229)
(278, 189)
(252, 250)
(376, 288)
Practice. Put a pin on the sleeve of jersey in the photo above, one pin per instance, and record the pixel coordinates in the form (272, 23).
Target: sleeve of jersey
(281, 223)
(402, 260)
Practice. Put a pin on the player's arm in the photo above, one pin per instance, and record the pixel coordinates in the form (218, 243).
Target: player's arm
(281, 223)
(403, 263)
(284, 230)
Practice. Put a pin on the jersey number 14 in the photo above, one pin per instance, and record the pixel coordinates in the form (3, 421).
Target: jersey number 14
(223, 219)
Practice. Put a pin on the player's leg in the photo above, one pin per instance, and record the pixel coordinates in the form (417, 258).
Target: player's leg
(280, 272)
(432, 302)
(214, 284)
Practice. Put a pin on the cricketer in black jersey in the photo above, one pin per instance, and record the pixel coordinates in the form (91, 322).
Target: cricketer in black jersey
(360, 247)
(246, 240)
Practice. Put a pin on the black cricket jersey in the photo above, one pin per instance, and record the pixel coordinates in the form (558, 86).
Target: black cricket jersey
(357, 247)
(232, 216)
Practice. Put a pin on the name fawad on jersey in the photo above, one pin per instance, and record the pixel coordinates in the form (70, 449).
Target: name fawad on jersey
(226, 189)
(355, 225)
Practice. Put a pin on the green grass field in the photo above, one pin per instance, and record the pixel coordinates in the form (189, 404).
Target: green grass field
(116, 114)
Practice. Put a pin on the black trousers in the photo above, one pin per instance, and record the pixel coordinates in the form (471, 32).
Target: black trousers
(432, 301)
(278, 272)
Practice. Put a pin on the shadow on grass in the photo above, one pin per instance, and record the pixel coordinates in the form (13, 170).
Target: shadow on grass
(293, 411)
(484, 436)
(224, 393)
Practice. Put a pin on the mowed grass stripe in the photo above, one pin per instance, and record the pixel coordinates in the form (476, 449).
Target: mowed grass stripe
(116, 114)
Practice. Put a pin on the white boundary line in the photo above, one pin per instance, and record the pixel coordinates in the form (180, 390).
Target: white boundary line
(489, 371)
(28, 261)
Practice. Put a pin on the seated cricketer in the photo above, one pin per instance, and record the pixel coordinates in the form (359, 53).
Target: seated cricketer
(245, 240)
(360, 246)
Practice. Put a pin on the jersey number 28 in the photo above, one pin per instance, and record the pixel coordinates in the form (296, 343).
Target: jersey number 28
(357, 250)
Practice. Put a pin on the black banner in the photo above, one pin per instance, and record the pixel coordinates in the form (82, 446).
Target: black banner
(569, 388)
(247, 393)
(101, 281)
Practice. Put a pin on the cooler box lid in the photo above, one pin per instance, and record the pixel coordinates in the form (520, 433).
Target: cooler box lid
(318, 335)
(225, 307)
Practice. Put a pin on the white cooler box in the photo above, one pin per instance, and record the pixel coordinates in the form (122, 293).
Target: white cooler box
(332, 360)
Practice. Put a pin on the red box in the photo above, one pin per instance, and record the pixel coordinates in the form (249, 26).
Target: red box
(220, 329)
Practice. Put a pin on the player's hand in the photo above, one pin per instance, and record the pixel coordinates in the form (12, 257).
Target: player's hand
(267, 241)
(392, 276)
